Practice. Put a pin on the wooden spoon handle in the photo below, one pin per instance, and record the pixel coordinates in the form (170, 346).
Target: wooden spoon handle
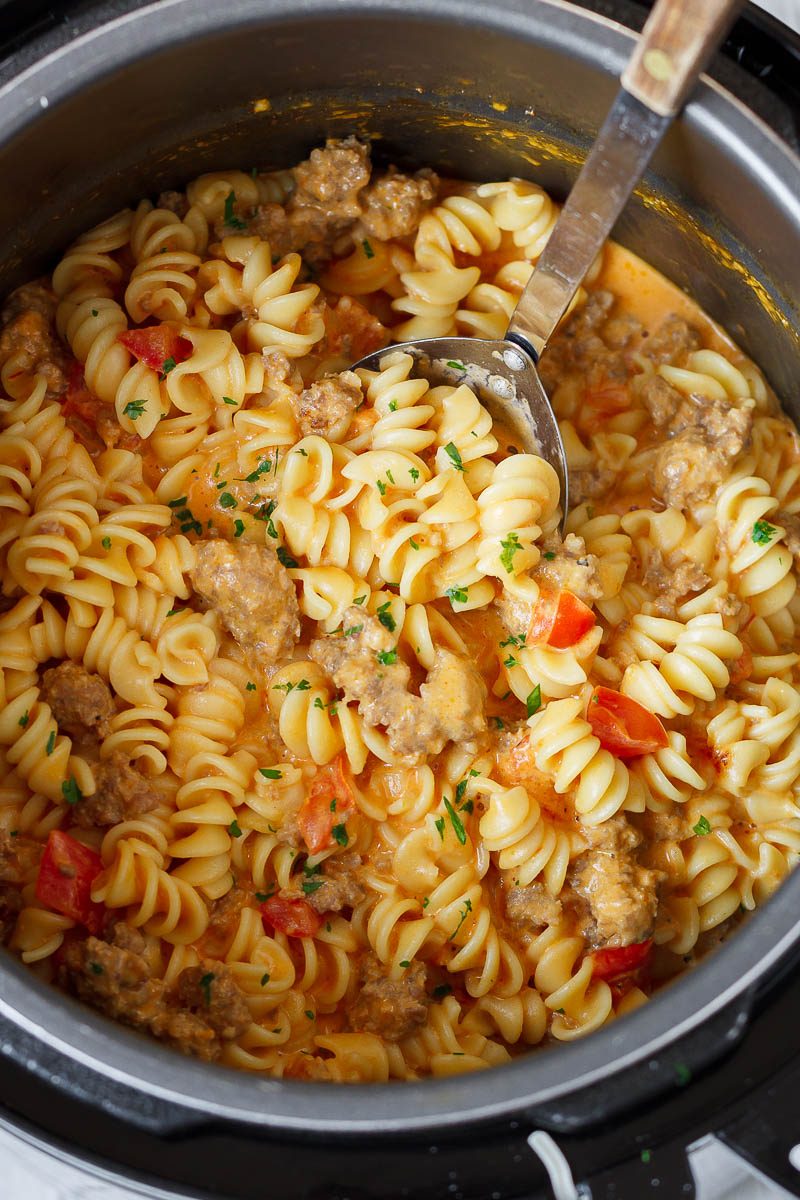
(676, 42)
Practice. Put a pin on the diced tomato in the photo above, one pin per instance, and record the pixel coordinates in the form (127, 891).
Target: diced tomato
(560, 619)
(156, 345)
(614, 961)
(328, 803)
(296, 918)
(608, 400)
(624, 726)
(66, 874)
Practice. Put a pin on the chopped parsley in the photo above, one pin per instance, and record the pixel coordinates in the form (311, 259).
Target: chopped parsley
(205, 986)
(414, 473)
(499, 723)
(227, 400)
(441, 990)
(238, 527)
(457, 595)
(70, 790)
(51, 743)
(367, 248)
(265, 979)
(94, 312)
(514, 640)
(285, 558)
(549, 555)
(414, 545)
(96, 968)
(302, 685)
(179, 503)
(173, 612)
(645, 1156)
(510, 661)
(534, 701)
(387, 657)
(451, 450)
(404, 962)
(456, 365)
(23, 721)
(262, 896)
(385, 617)
(461, 786)
(702, 827)
(133, 409)
(227, 500)
(763, 533)
(309, 1014)
(250, 686)
(359, 599)
(270, 772)
(168, 365)
(390, 476)
(510, 546)
(381, 486)
(339, 834)
(263, 468)
(312, 885)
(352, 631)
(439, 823)
(234, 830)
(106, 543)
(463, 914)
(230, 217)
(456, 822)
(392, 406)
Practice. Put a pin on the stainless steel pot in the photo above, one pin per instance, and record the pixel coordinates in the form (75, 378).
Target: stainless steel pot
(478, 88)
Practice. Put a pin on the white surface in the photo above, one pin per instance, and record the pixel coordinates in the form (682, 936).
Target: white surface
(30, 1174)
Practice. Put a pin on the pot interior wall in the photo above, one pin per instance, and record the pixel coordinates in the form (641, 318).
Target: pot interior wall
(430, 90)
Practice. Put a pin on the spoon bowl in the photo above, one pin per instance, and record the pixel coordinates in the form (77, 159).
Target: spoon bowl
(504, 378)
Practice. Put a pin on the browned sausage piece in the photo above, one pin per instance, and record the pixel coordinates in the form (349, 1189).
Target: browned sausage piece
(253, 595)
(393, 205)
(325, 407)
(391, 1008)
(122, 794)
(622, 896)
(81, 702)
(532, 907)
(210, 992)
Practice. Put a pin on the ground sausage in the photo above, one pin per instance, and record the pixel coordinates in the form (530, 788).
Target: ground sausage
(670, 580)
(391, 1008)
(567, 565)
(253, 596)
(622, 896)
(12, 903)
(450, 703)
(210, 992)
(660, 398)
(19, 856)
(706, 436)
(82, 703)
(532, 907)
(335, 887)
(392, 206)
(28, 336)
(672, 342)
(790, 523)
(117, 977)
(122, 793)
(324, 205)
(325, 407)
(175, 202)
(223, 922)
(590, 484)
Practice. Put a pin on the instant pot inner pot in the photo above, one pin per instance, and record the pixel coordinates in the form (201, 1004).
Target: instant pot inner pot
(473, 89)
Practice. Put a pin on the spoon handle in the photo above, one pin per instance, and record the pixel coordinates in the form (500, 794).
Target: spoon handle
(675, 45)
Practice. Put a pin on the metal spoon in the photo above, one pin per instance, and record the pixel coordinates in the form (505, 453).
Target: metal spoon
(676, 43)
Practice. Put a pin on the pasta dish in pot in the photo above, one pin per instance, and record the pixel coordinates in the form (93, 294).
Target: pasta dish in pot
(325, 754)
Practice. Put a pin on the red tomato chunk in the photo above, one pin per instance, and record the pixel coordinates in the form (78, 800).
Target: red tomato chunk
(608, 964)
(159, 346)
(624, 726)
(295, 918)
(328, 803)
(66, 874)
(560, 619)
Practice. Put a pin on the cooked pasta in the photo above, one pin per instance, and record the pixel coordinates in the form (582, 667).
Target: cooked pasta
(325, 752)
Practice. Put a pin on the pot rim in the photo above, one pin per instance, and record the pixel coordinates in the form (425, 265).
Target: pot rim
(537, 1078)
